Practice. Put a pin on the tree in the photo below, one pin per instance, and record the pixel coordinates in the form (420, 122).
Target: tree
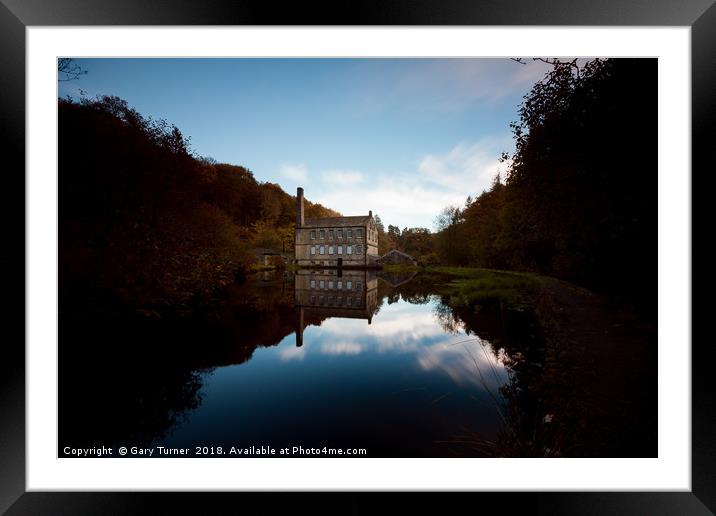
(68, 69)
(379, 223)
(143, 220)
(579, 197)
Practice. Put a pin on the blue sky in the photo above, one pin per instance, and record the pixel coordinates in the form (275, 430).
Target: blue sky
(401, 137)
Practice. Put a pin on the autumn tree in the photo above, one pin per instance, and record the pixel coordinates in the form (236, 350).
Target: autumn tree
(579, 197)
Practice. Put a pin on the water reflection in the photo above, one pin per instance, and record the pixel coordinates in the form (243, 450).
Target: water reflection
(421, 328)
(336, 293)
(319, 358)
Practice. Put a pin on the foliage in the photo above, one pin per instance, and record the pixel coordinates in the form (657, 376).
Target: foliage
(429, 259)
(579, 200)
(142, 217)
(413, 241)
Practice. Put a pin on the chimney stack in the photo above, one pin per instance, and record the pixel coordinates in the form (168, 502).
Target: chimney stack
(299, 328)
(299, 207)
(370, 213)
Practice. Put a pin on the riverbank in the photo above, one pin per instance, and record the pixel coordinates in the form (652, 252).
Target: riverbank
(470, 287)
(599, 380)
(608, 394)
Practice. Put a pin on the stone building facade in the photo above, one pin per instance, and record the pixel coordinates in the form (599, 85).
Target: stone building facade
(331, 293)
(335, 241)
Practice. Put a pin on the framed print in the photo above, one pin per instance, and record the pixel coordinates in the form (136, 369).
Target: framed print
(422, 249)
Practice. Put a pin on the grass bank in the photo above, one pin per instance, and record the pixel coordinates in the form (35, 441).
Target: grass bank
(598, 374)
(472, 287)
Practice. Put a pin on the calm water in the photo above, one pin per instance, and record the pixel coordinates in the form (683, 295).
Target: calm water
(311, 360)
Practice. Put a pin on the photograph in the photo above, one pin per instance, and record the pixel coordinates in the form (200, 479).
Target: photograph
(357, 257)
(411, 250)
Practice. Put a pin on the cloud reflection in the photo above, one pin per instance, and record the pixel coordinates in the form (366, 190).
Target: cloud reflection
(404, 328)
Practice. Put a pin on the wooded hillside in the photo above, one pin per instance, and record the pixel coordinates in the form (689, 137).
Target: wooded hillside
(144, 221)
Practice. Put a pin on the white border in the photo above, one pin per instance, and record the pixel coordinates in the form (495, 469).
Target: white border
(670, 471)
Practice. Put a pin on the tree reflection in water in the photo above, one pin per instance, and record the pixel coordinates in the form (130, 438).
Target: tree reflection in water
(125, 379)
(515, 344)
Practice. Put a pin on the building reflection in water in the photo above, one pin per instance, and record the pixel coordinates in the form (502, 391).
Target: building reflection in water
(342, 293)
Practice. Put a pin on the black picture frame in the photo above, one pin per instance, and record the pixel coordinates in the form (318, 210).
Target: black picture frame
(16, 15)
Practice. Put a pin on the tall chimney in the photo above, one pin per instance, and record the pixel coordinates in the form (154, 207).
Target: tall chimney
(299, 328)
(299, 207)
(370, 213)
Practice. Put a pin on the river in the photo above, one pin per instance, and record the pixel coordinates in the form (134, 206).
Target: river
(377, 363)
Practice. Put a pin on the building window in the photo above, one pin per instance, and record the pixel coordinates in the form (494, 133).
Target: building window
(313, 283)
(313, 249)
(330, 249)
(330, 234)
(340, 249)
(330, 283)
(312, 300)
(321, 284)
(358, 285)
(313, 235)
(349, 285)
(350, 300)
(320, 300)
(350, 233)
(340, 285)
(359, 233)
(349, 249)
(340, 233)
(322, 234)
(321, 250)
(359, 249)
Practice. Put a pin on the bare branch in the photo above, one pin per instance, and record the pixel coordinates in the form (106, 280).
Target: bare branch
(68, 69)
(550, 61)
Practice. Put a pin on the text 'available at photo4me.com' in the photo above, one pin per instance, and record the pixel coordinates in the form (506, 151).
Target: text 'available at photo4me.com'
(211, 451)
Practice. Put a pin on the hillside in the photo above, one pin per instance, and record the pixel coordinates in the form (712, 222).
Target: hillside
(144, 223)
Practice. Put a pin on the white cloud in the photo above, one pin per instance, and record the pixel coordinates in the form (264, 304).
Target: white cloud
(466, 167)
(294, 172)
(405, 329)
(288, 351)
(342, 177)
(414, 199)
(443, 85)
(341, 348)
(399, 200)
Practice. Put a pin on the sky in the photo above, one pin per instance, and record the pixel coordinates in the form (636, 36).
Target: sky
(401, 137)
